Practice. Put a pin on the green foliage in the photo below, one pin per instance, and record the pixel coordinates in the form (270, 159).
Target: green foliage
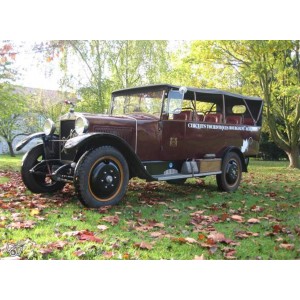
(108, 65)
(134, 63)
(270, 69)
(13, 107)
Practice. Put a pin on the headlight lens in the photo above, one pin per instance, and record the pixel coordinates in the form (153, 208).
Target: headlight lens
(49, 127)
(81, 125)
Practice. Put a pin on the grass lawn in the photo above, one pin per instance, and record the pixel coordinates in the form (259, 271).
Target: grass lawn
(10, 163)
(157, 220)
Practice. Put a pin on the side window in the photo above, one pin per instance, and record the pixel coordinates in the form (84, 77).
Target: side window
(239, 109)
(205, 107)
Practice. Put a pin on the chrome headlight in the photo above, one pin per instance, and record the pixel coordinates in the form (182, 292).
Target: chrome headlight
(81, 125)
(49, 127)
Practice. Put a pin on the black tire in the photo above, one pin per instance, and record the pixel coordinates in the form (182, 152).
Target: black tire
(101, 177)
(231, 175)
(38, 183)
(177, 181)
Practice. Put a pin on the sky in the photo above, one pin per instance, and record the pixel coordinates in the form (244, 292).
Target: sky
(34, 71)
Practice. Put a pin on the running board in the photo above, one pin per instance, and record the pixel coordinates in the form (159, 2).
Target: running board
(181, 176)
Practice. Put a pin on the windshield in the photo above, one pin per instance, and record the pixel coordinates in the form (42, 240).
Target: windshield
(149, 102)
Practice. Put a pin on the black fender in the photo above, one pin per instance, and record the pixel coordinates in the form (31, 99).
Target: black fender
(33, 136)
(241, 155)
(89, 141)
(25, 141)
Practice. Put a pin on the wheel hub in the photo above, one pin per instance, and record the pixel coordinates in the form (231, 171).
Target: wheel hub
(105, 179)
(232, 172)
(109, 179)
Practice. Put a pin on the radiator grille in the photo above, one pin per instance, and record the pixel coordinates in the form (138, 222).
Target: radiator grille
(65, 129)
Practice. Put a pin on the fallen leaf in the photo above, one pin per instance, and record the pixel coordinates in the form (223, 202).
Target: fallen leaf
(245, 234)
(253, 221)
(113, 220)
(108, 254)
(201, 237)
(34, 212)
(21, 224)
(287, 246)
(297, 230)
(198, 212)
(102, 227)
(229, 254)
(89, 236)
(58, 245)
(46, 250)
(225, 217)
(79, 253)
(279, 239)
(71, 233)
(190, 240)
(217, 236)
(271, 194)
(155, 234)
(255, 208)
(277, 228)
(201, 257)
(237, 218)
(143, 245)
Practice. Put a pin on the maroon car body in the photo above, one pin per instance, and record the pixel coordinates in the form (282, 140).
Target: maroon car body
(156, 132)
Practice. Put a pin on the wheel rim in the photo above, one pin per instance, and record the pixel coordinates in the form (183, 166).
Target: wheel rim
(105, 178)
(232, 172)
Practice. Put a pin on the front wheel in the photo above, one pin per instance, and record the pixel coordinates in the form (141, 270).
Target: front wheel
(39, 182)
(231, 175)
(101, 177)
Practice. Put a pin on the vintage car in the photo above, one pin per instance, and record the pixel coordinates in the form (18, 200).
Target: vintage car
(156, 132)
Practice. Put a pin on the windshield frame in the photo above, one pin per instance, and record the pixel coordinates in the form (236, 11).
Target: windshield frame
(160, 99)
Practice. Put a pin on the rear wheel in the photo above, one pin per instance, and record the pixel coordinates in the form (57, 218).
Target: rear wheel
(39, 182)
(101, 177)
(231, 175)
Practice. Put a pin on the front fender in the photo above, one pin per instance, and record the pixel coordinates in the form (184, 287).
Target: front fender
(88, 141)
(25, 141)
(79, 140)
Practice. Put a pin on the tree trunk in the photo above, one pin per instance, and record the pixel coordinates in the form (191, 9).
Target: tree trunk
(293, 156)
(11, 150)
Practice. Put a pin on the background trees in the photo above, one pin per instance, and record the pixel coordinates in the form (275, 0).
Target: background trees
(270, 69)
(13, 104)
(104, 66)
(93, 69)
